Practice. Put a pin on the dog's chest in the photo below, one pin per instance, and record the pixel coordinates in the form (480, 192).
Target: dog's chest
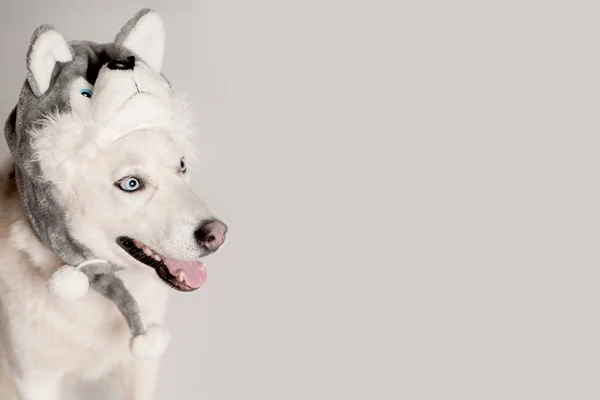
(89, 335)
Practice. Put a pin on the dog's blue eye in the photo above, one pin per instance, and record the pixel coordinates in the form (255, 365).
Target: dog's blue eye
(130, 184)
(85, 93)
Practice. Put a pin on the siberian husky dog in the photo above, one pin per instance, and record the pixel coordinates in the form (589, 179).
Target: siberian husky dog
(100, 145)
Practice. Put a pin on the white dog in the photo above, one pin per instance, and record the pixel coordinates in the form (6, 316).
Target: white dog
(99, 143)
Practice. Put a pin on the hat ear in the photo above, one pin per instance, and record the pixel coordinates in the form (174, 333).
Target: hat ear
(144, 34)
(47, 48)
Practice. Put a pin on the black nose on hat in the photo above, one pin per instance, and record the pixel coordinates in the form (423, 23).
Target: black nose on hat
(122, 63)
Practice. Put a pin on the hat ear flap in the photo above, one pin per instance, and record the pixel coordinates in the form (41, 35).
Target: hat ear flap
(144, 34)
(48, 47)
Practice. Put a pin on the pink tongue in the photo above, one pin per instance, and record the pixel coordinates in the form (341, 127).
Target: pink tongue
(195, 271)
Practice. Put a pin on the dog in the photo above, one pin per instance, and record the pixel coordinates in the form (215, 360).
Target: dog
(100, 146)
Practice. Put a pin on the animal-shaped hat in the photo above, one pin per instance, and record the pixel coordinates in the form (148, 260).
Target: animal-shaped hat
(106, 83)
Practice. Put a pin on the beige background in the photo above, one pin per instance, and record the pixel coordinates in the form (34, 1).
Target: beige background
(411, 189)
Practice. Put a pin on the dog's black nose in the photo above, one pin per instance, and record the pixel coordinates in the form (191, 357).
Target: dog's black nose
(211, 234)
(122, 63)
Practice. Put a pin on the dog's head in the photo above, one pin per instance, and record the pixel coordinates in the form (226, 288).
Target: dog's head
(100, 143)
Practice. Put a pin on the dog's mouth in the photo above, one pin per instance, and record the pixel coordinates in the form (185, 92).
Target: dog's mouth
(183, 275)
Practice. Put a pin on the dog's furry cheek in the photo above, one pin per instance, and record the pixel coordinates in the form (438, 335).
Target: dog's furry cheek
(79, 180)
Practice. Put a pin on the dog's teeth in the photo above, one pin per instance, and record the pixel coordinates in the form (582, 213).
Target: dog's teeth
(181, 276)
(137, 244)
(148, 251)
(157, 257)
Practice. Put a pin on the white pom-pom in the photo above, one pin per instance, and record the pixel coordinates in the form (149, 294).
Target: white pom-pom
(151, 344)
(68, 283)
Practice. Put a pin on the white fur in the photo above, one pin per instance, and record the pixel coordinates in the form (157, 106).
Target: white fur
(49, 48)
(21, 236)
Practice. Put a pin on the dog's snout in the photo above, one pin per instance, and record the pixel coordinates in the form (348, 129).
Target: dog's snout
(211, 234)
(122, 63)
